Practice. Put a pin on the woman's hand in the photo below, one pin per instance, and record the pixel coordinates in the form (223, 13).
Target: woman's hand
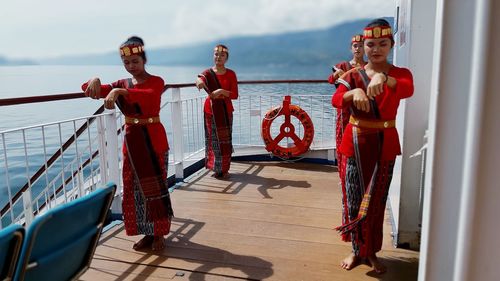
(360, 100)
(337, 74)
(94, 88)
(376, 85)
(220, 94)
(200, 84)
(109, 101)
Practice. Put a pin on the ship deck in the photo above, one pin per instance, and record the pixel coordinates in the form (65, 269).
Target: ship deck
(269, 221)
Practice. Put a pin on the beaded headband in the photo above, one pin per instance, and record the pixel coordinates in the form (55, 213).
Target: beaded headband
(129, 50)
(357, 38)
(377, 32)
(220, 49)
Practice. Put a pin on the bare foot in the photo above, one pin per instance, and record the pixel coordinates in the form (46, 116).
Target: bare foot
(158, 243)
(350, 262)
(146, 241)
(377, 265)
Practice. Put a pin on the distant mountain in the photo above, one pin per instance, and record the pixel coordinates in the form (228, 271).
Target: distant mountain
(5, 61)
(325, 46)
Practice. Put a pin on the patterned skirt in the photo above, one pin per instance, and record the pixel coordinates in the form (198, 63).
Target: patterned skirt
(367, 238)
(134, 204)
(217, 150)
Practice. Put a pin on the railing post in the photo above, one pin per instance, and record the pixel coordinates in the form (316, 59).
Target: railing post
(27, 207)
(112, 157)
(101, 134)
(177, 133)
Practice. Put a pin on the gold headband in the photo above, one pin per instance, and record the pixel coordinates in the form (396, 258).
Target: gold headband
(220, 49)
(129, 50)
(377, 32)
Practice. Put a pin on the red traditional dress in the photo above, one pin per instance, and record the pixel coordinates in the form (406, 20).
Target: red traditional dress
(147, 208)
(219, 120)
(369, 154)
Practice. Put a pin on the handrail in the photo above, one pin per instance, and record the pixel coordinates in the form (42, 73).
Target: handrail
(68, 96)
(51, 160)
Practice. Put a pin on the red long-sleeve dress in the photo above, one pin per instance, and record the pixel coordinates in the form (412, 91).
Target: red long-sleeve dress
(219, 121)
(369, 156)
(143, 176)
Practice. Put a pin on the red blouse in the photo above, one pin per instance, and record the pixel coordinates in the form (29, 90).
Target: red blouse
(229, 82)
(387, 102)
(147, 96)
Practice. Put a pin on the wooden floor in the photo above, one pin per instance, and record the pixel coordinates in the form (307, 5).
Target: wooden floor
(269, 221)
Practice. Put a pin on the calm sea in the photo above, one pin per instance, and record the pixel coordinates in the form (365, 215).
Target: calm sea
(24, 81)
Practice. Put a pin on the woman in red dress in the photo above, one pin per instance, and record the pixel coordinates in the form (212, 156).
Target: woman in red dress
(221, 85)
(370, 142)
(343, 115)
(146, 205)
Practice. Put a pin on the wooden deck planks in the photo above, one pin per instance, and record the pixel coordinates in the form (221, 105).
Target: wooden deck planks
(271, 221)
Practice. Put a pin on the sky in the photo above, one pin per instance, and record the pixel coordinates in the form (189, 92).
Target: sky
(34, 29)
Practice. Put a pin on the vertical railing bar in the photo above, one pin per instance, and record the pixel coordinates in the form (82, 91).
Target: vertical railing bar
(78, 164)
(91, 160)
(7, 178)
(44, 144)
(62, 162)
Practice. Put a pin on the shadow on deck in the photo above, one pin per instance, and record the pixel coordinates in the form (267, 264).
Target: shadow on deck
(269, 221)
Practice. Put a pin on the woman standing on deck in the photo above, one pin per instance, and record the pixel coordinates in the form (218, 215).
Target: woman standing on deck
(221, 85)
(370, 143)
(343, 115)
(146, 205)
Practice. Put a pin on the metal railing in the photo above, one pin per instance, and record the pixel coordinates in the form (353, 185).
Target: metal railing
(79, 148)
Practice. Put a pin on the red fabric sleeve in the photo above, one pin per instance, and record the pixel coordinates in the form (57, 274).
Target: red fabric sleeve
(331, 79)
(234, 86)
(338, 97)
(404, 85)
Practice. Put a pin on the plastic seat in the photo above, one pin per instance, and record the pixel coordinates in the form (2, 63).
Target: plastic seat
(11, 240)
(60, 244)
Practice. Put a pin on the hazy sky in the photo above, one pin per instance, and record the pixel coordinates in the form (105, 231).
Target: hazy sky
(47, 28)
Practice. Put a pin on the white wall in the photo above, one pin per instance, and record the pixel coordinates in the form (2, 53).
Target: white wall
(413, 49)
(461, 209)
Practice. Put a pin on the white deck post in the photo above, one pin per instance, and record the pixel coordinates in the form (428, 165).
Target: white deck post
(177, 133)
(112, 158)
(101, 133)
(27, 207)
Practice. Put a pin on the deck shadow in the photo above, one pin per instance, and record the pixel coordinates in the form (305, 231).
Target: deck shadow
(250, 176)
(180, 246)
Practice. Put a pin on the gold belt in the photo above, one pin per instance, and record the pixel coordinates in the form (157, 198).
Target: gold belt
(141, 121)
(371, 124)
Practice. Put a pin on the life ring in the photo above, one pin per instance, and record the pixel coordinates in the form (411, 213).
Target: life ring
(287, 129)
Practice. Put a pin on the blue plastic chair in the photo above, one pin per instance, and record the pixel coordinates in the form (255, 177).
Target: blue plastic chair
(11, 240)
(60, 244)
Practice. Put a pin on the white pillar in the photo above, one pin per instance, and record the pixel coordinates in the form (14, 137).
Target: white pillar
(112, 158)
(178, 133)
(460, 215)
(27, 207)
(415, 25)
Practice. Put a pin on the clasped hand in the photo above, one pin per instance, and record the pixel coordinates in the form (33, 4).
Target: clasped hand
(376, 85)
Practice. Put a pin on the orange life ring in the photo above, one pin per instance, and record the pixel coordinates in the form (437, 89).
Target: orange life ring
(287, 129)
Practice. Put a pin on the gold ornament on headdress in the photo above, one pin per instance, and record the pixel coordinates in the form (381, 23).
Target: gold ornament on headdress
(357, 38)
(377, 32)
(220, 49)
(131, 50)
